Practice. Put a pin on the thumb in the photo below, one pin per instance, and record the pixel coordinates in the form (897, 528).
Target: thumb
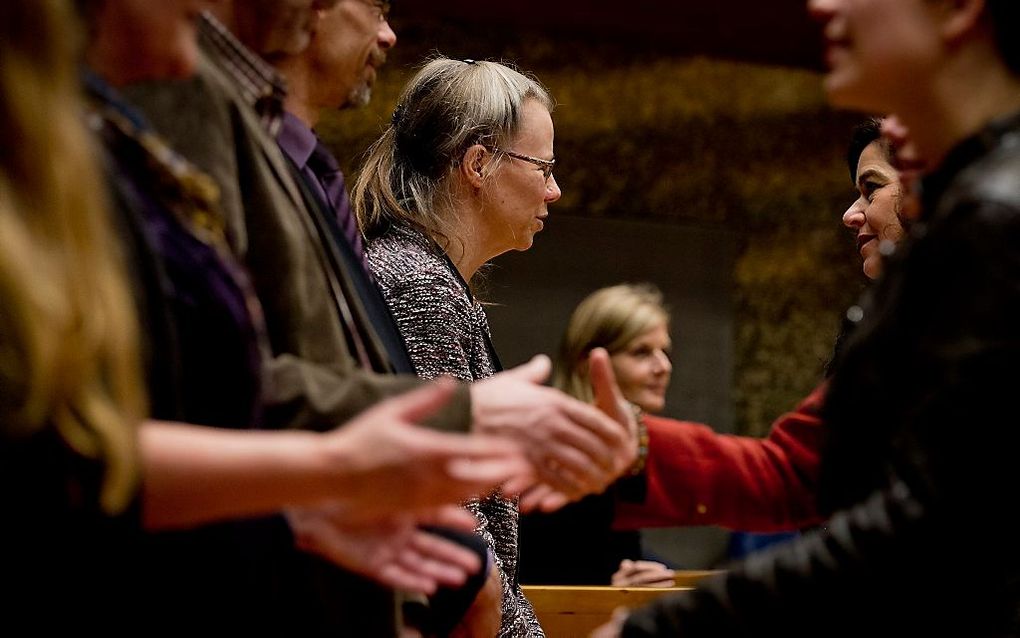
(535, 371)
(421, 403)
(608, 397)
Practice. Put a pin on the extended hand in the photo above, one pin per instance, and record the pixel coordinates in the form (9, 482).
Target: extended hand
(390, 550)
(574, 449)
(388, 465)
(610, 401)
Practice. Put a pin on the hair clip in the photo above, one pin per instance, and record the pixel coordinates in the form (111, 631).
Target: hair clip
(470, 61)
(397, 114)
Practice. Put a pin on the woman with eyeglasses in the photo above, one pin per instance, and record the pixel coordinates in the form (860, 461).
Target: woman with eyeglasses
(462, 174)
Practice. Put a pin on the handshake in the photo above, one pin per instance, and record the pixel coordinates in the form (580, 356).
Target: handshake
(394, 478)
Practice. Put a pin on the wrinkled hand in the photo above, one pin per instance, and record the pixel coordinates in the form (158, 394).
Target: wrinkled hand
(485, 614)
(574, 449)
(608, 398)
(382, 452)
(391, 550)
(643, 573)
(614, 627)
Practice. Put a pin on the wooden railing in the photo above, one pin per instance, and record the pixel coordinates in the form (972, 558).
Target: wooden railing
(568, 611)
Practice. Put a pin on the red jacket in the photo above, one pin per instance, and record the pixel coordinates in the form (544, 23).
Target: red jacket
(696, 476)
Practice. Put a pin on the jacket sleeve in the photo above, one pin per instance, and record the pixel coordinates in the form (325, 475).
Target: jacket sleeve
(431, 312)
(850, 577)
(696, 476)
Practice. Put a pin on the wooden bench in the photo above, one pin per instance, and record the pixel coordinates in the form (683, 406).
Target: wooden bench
(568, 611)
(690, 577)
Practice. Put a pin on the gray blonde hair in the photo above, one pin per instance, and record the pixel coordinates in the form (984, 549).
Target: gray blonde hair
(608, 318)
(447, 107)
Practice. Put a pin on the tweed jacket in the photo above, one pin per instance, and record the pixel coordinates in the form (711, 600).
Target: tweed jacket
(447, 333)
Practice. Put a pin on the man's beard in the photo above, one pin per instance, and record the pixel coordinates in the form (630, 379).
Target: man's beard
(361, 94)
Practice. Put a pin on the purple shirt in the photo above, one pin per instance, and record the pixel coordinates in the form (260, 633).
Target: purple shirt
(321, 172)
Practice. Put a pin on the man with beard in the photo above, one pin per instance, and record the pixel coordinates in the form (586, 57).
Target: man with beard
(337, 70)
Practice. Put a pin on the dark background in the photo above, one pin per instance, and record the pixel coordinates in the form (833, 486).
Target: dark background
(695, 150)
(762, 31)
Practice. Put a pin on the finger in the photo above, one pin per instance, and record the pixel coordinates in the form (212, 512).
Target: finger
(432, 570)
(543, 498)
(518, 484)
(435, 444)
(650, 582)
(668, 582)
(554, 501)
(396, 577)
(441, 550)
(653, 578)
(536, 370)
(421, 403)
(472, 476)
(571, 471)
(652, 573)
(649, 564)
(610, 434)
(532, 498)
(448, 516)
(438, 558)
(565, 479)
(571, 428)
(608, 397)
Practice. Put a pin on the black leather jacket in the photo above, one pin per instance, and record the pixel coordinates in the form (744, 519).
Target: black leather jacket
(922, 465)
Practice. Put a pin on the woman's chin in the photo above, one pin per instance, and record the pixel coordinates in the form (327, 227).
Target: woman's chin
(652, 405)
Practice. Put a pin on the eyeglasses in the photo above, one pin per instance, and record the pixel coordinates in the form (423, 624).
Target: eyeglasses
(381, 8)
(544, 164)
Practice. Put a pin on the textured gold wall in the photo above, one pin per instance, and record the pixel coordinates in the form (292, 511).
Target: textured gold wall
(644, 135)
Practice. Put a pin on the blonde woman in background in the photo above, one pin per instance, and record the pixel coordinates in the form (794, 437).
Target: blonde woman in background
(577, 545)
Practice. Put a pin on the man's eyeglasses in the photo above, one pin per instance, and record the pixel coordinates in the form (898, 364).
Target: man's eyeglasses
(544, 164)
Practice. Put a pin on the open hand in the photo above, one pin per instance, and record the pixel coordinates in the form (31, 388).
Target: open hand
(387, 465)
(391, 550)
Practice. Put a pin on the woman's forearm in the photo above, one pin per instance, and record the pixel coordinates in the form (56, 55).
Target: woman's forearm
(195, 475)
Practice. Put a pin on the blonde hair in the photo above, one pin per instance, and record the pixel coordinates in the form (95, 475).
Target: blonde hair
(447, 107)
(608, 318)
(68, 335)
